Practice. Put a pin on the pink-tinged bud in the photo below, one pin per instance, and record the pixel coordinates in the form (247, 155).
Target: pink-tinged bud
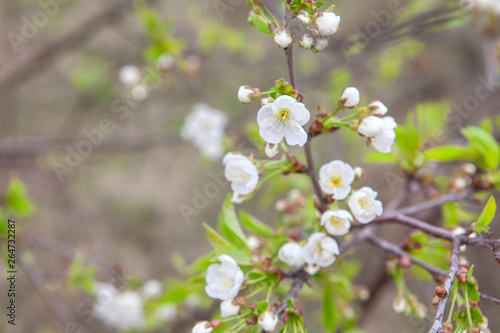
(378, 108)
(441, 291)
(435, 300)
(216, 323)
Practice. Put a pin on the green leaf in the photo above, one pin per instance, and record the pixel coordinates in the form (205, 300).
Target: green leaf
(262, 307)
(381, 158)
(260, 23)
(214, 237)
(476, 315)
(329, 314)
(485, 143)
(472, 292)
(229, 225)
(17, 200)
(448, 153)
(252, 224)
(81, 276)
(488, 213)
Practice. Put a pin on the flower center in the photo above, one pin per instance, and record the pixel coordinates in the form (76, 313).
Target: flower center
(239, 175)
(365, 203)
(224, 280)
(337, 223)
(336, 181)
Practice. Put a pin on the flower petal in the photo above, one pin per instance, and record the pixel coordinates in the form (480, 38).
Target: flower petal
(295, 135)
(265, 116)
(273, 134)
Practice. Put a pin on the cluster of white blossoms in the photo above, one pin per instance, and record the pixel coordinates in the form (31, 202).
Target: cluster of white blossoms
(125, 310)
(242, 174)
(319, 251)
(283, 118)
(205, 128)
(316, 30)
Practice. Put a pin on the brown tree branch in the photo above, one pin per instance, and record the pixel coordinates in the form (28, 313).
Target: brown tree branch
(438, 321)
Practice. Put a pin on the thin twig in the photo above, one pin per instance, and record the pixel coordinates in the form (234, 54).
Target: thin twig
(455, 252)
(489, 298)
(451, 197)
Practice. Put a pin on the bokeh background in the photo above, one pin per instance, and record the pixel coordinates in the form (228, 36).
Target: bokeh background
(120, 205)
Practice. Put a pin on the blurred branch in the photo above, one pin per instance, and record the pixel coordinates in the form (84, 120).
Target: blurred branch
(34, 148)
(56, 308)
(438, 321)
(45, 56)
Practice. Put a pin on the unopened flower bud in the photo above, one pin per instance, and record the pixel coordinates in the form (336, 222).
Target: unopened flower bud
(268, 321)
(283, 38)
(320, 43)
(404, 262)
(271, 150)
(216, 323)
(246, 94)
(252, 321)
(350, 98)
(306, 41)
(326, 23)
(266, 100)
(363, 112)
(358, 173)
(469, 168)
(304, 17)
(311, 269)
(239, 300)
(378, 108)
(448, 327)
(316, 128)
(441, 291)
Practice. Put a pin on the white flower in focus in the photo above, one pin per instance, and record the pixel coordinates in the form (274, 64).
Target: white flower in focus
(350, 98)
(327, 23)
(363, 205)
(283, 118)
(337, 223)
(381, 132)
(306, 41)
(205, 128)
(242, 174)
(292, 254)
(378, 108)
(335, 178)
(283, 38)
(271, 151)
(201, 327)
(304, 17)
(122, 311)
(320, 43)
(129, 75)
(321, 250)
(224, 280)
(166, 313)
(151, 289)
(268, 321)
(246, 94)
(228, 309)
(384, 141)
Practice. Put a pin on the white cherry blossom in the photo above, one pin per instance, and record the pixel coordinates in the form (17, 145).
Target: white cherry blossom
(228, 309)
(363, 205)
(201, 327)
(283, 38)
(224, 280)
(205, 128)
(292, 254)
(129, 75)
(151, 289)
(268, 321)
(327, 23)
(242, 174)
(350, 97)
(381, 132)
(283, 118)
(121, 311)
(378, 108)
(337, 223)
(335, 178)
(306, 41)
(304, 17)
(321, 250)
(320, 43)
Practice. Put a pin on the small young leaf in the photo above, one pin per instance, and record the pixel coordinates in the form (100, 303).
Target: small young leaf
(485, 143)
(447, 153)
(488, 213)
(214, 237)
(229, 224)
(262, 307)
(16, 199)
(476, 315)
(252, 224)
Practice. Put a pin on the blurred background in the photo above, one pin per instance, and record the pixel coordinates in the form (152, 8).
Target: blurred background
(120, 205)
